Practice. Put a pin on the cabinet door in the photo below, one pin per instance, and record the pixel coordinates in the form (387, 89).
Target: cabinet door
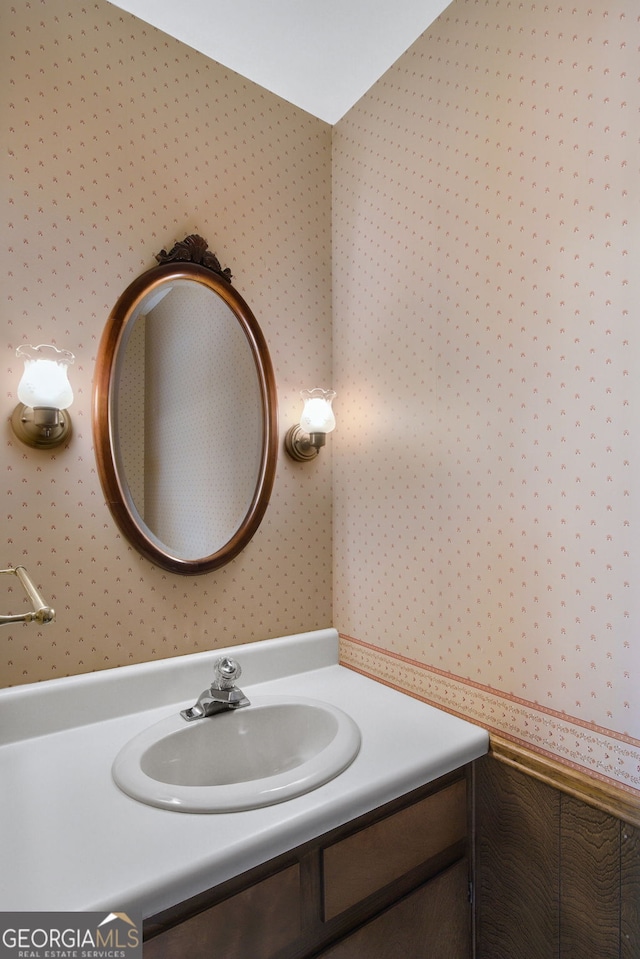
(432, 923)
(378, 855)
(254, 924)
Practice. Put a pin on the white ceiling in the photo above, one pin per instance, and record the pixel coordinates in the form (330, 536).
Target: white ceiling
(321, 55)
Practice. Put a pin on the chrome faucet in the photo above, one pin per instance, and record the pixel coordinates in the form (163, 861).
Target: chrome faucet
(222, 695)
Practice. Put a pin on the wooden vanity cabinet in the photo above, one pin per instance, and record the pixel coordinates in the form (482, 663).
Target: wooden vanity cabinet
(393, 882)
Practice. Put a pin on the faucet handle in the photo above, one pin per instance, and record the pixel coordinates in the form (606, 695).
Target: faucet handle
(226, 672)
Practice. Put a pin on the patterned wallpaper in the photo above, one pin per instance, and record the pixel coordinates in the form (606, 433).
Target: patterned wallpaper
(486, 212)
(486, 222)
(120, 141)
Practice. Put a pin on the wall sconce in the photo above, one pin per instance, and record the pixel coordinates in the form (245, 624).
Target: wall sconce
(304, 441)
(40, 418)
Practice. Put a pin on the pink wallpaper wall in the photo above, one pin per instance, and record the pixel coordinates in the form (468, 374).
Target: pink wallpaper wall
(486, 224)
(121, 141)
(486, 212)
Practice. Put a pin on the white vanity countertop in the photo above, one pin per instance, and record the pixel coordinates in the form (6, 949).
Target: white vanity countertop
(70, 840)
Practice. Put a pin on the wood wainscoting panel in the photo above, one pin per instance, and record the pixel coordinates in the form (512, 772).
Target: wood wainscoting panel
(555, 877)
(630, 892)
(589, 882)
(517, 864)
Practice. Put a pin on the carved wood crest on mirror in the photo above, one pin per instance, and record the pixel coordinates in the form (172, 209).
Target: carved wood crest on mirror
(185, 413)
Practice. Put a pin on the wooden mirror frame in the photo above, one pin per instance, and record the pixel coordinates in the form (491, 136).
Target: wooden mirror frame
(204, 268)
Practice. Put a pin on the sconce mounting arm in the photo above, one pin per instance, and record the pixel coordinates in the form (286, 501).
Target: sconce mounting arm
(41, 427)
(303, 446)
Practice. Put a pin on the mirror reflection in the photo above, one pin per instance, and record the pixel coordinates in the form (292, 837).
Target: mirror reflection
(188, 399)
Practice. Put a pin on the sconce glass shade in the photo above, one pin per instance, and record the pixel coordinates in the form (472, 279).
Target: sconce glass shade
(304, 441)
(45, 393)
(317, 415)
(45, 380)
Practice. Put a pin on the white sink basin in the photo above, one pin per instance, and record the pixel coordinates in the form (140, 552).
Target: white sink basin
(261, 754)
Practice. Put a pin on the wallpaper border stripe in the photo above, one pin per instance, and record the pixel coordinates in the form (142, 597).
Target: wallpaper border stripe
(609, 757)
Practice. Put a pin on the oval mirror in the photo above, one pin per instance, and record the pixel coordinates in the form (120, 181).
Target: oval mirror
(185, 413)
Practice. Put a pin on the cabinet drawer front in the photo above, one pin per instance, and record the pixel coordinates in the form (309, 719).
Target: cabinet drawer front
(360, 865)
(254, 924)
(434, 922)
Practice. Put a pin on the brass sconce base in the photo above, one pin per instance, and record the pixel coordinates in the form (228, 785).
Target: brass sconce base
(40, 427)
(303, 446)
